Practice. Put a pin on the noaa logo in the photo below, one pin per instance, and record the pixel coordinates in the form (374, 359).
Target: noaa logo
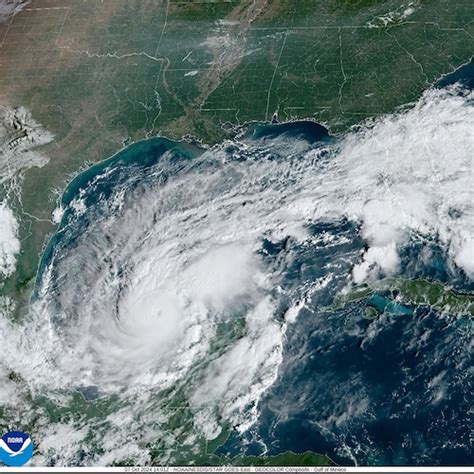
(16, 448)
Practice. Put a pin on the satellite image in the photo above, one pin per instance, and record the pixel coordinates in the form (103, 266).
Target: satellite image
(236, 233)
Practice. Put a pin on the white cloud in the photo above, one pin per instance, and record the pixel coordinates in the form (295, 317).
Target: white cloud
(140, 294)
(236, 380)
(20, 134)
(9, 243)
(413, 172)
(11, 8)
(377, 259)
(464, 255)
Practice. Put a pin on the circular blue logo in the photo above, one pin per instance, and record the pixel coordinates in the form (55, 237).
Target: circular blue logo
(16, 448)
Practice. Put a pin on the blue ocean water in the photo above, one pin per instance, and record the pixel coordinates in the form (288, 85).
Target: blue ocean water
(392, 390)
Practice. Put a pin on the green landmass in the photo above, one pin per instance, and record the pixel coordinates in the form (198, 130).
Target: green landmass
(173, 441)
(412, 292)
(101, 74)
(72, 408)
(287, 458)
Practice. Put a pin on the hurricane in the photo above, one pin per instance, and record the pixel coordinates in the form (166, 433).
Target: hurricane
(186, 288)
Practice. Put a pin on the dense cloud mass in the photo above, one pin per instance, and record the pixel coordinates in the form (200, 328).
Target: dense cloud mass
(142, 280)
(8, 8)
(9, 243)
